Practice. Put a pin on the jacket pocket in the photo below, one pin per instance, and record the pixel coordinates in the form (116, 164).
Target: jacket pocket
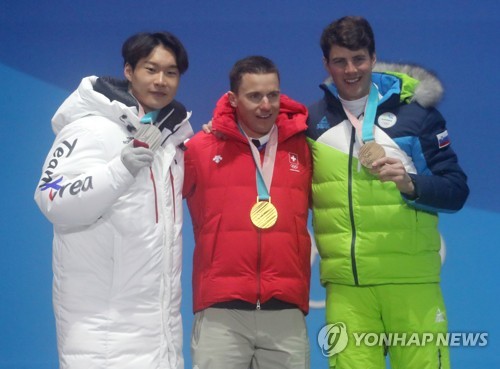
(207, 241)
(215, 236)
(197, 325)
(302, 239)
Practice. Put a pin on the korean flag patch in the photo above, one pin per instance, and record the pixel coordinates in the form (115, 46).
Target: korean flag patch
(443, 139)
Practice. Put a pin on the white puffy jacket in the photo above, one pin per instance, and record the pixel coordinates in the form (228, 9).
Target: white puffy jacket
(117, 239)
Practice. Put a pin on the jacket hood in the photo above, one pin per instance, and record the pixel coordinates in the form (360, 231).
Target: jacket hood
(418, 84)
(413, 84)
(112, 101)
(291, 118)
(110, 98)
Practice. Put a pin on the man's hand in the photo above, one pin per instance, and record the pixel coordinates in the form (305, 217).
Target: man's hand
(136, 158)
(390, 169)
(207, 128)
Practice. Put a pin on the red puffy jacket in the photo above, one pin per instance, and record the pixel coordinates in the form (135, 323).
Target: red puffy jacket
(234, 260)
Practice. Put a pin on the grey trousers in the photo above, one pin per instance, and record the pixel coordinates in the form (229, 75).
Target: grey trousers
(243, 339)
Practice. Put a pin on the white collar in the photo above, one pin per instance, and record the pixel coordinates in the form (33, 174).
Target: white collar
(264, 139)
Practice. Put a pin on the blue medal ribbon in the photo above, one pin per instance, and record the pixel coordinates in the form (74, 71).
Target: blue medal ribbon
(370, 112)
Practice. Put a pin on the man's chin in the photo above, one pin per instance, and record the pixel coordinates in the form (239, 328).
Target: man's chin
(159, 106)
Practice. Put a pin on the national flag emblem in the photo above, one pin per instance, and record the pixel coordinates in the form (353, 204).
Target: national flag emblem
(443, 139)
(294, 162)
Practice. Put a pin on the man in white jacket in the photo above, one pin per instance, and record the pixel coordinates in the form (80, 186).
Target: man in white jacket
(111, 185)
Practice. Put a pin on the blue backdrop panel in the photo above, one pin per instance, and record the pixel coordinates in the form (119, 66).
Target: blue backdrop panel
(46, 48)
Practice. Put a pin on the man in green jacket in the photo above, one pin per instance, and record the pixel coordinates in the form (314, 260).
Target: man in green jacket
(383, 169)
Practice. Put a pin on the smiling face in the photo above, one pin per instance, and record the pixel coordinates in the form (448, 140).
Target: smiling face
(257, 103)
(155, 79)
(351, 71)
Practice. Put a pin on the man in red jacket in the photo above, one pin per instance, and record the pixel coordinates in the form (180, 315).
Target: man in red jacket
(247, 188)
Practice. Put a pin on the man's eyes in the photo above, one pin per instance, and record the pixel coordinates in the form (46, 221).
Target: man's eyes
(257, 97)
(273, 95)
(170, 73)
(343, 62)
(338, 62)
(359, 60)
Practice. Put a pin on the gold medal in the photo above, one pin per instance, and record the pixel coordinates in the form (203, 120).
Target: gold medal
(370, 152)
(263, 214)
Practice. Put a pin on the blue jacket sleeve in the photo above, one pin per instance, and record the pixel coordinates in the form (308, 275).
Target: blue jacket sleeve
(440, 182)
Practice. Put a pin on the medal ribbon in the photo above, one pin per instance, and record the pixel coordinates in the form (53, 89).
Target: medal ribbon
(265, 170)
(369, 116)
(150, 118)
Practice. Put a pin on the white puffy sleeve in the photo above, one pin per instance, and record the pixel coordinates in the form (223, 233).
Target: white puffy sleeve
(83, 175)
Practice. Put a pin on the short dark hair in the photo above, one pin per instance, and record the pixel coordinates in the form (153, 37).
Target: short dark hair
(351, 32)
(140, 45)
(252, 64)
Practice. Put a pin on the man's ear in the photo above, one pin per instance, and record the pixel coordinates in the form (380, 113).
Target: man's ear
(128, 72)
(374, 60)
(325, 64)
(232, 99)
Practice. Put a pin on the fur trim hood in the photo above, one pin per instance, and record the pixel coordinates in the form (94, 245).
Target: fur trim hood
(428, 91)
(414, 83)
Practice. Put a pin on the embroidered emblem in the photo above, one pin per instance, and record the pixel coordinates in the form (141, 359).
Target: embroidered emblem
(443, 139)
(217, 159)
(440, 317)
(294, 162)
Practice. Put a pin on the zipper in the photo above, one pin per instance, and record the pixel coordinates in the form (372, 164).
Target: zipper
(351, 209)
(259, 241)
(156, 194)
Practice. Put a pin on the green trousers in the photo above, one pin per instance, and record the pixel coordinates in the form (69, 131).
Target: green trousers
(405, 321)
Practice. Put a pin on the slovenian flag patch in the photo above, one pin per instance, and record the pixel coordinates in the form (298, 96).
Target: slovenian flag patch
(443, 139)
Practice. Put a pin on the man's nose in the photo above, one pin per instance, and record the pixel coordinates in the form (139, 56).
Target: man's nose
(161, 79)
(265, 104)
(350, 67)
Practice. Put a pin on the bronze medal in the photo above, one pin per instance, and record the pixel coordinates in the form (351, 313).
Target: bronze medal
(370, 152)
(264, 214)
